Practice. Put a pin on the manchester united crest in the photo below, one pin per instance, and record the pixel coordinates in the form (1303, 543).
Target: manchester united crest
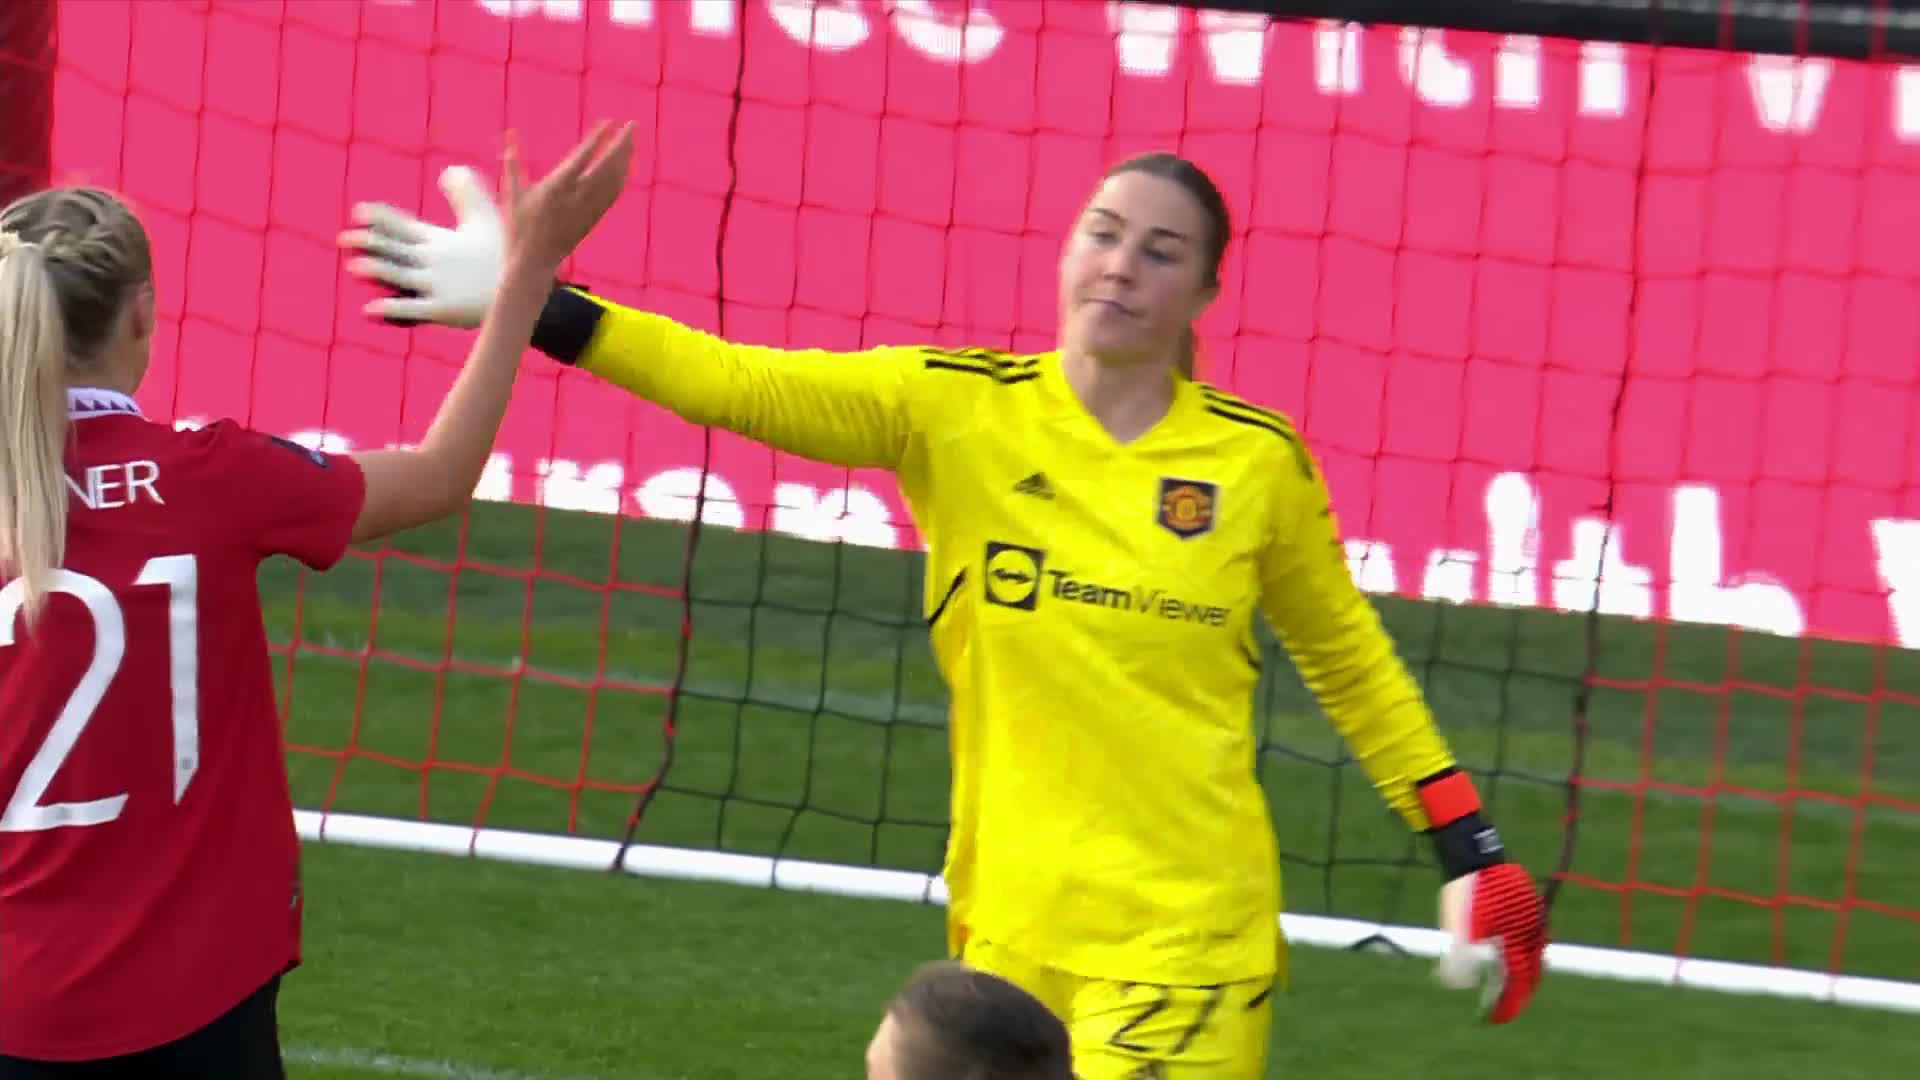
(1187, 506)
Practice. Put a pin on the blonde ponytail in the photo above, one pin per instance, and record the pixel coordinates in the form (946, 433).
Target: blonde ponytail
(72, 260)
(33, 421)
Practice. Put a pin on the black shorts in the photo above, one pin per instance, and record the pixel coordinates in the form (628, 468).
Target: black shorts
(243, 1044)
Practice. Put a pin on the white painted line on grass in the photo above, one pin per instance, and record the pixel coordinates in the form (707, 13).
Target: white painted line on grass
(347, 1057)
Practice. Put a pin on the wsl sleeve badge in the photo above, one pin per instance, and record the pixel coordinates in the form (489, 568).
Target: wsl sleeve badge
(1187, 507)
(307, 452)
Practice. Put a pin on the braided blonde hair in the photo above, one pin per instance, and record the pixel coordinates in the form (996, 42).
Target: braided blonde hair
(71, 259)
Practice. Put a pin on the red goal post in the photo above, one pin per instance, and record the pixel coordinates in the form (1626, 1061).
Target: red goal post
(1608, 348)
(27, 50)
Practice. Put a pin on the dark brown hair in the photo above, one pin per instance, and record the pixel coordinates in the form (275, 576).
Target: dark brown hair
(1195, 181)
(953, 1022)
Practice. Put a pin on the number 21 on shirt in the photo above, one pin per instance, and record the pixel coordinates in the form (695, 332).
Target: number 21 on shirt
(179, 575)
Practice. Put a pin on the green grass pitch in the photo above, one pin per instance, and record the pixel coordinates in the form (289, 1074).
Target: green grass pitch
(504, 671)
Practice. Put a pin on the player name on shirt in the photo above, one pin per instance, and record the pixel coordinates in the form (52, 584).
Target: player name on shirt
(109, 487)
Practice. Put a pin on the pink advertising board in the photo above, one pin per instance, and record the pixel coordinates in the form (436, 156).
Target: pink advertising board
(1521, 296)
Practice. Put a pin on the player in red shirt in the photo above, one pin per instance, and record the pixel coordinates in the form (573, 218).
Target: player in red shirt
(149, 868)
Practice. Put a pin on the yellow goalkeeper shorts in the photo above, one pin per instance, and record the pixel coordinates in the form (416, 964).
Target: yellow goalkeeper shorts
(1138, 1031)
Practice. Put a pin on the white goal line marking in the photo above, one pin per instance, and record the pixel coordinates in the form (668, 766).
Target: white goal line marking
(347, 1057)
(797, 875)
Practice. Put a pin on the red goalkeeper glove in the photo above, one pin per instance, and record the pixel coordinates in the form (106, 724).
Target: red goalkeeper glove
(1488, 906)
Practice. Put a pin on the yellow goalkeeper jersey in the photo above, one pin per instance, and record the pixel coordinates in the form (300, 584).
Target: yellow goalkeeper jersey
(1091, 605)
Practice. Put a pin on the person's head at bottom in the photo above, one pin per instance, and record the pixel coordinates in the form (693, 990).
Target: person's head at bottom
(951, 1022)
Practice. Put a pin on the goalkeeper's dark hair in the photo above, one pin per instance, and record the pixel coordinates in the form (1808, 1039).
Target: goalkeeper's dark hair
(953, 1022)
(1195, 181)
(70, 261)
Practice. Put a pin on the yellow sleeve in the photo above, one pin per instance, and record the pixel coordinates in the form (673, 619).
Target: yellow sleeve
(1345, 657)
(848, 409)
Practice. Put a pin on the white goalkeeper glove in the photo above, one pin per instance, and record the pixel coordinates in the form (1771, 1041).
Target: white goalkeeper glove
(440, 275)
(1494, 919)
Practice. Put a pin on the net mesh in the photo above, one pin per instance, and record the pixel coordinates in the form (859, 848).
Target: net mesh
(27, 49)
(1607, 352)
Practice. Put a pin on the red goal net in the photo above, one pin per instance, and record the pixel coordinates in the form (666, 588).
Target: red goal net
(1609, 352)
(27, 50)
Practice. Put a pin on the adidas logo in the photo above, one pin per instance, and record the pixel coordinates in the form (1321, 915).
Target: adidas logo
(1035, 485)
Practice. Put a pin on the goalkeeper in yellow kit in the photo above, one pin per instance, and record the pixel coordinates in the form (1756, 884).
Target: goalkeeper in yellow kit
(1102, 531)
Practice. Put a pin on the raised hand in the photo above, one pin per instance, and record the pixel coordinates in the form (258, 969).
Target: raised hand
(547, 221)
(449, 276)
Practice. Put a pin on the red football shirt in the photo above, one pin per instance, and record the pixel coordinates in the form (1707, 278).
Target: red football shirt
(149, 865)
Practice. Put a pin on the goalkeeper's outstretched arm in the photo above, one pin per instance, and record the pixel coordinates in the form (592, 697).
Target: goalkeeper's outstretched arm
(1346, 658)
(848, 409)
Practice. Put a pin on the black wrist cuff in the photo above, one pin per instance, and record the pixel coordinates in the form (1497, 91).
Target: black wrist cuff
(1467, 844)
(567, 324)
